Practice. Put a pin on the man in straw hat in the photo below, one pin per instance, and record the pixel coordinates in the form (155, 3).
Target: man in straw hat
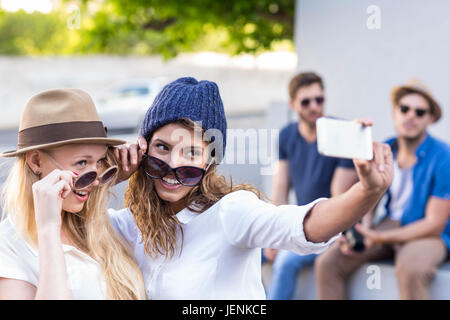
(415, 229)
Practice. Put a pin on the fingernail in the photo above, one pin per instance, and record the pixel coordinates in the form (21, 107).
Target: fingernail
(74, 173)
(381, 167)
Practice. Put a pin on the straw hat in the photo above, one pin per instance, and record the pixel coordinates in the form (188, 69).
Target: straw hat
(58, 117)
(416, 86)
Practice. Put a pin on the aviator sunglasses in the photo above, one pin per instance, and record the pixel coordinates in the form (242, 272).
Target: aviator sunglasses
(88, 178)
(306, 102)
(419, 112)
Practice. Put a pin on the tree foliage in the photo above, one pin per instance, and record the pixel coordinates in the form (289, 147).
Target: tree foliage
(35, 33)
(166, 27)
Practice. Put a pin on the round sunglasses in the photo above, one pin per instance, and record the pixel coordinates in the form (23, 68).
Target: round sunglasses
(88, 178)
(186, 175)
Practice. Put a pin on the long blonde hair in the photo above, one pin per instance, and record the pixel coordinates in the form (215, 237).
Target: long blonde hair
(90, 230)
(154, 217)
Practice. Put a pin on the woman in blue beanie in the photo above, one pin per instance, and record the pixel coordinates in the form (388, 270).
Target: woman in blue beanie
(194, 234)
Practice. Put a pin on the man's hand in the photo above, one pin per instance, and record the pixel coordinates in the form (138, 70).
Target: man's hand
(270, 254)
(345, 247)
(371, 237)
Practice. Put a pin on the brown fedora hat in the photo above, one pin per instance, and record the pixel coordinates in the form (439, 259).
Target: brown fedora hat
(416, 86)
(58, 117)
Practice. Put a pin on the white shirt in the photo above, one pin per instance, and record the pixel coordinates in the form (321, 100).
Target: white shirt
(221, 254)
(20, 261)
(400, 190)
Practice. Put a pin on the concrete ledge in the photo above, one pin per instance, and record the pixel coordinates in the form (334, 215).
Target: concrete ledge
(357, 286)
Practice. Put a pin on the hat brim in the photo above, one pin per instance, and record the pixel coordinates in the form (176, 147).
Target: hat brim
(433, 103)
(106, 141)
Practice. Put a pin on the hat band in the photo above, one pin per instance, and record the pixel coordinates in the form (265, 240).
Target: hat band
(56, 132)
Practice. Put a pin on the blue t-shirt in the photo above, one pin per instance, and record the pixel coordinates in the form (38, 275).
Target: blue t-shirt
(310, 173)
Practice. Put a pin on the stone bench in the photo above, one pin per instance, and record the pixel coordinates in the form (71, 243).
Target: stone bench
(358, 288)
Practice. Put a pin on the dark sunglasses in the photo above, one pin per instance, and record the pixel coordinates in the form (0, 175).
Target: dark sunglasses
(419, 112)
(186, 175)
(88, 178)
(306, 102)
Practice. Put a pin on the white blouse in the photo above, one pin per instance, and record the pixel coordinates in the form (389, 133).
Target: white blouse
(20, 261)
(221, 253)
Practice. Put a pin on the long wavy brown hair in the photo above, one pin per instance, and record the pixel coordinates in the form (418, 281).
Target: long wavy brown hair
(155, 218)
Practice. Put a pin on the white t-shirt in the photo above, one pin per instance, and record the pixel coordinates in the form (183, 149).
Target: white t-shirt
(221, 254)
(20, 261)
(400, 190)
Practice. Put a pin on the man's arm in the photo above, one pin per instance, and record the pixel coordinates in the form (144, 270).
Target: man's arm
(280, 195)
(281, 183)
(437, 213)
(343, 179)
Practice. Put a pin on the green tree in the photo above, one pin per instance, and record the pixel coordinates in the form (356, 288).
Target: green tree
(36, 33)
(165, 27)
(171, 26)
(24, 33)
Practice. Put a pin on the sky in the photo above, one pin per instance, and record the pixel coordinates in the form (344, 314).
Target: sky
(29, 6)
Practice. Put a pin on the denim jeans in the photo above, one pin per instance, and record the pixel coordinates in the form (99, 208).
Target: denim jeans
(285, 269)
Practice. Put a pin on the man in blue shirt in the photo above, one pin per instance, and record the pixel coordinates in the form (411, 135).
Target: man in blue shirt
(416, 230)
(310, 174)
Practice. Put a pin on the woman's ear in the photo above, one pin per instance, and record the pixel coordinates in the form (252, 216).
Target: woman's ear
(33, 159)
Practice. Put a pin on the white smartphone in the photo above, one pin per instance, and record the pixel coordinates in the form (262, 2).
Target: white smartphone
(344, 139)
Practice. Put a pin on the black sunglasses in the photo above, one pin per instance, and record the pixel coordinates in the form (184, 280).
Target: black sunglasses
(306, 102)
(186, 175)
(419, 112)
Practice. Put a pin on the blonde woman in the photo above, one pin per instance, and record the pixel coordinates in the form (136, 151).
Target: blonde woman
(197, 235)
(56, 241)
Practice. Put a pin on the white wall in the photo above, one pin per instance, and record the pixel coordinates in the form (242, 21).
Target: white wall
(361, 65)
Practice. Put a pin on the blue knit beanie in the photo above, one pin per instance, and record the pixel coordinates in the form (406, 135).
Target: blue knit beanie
(187, 98)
